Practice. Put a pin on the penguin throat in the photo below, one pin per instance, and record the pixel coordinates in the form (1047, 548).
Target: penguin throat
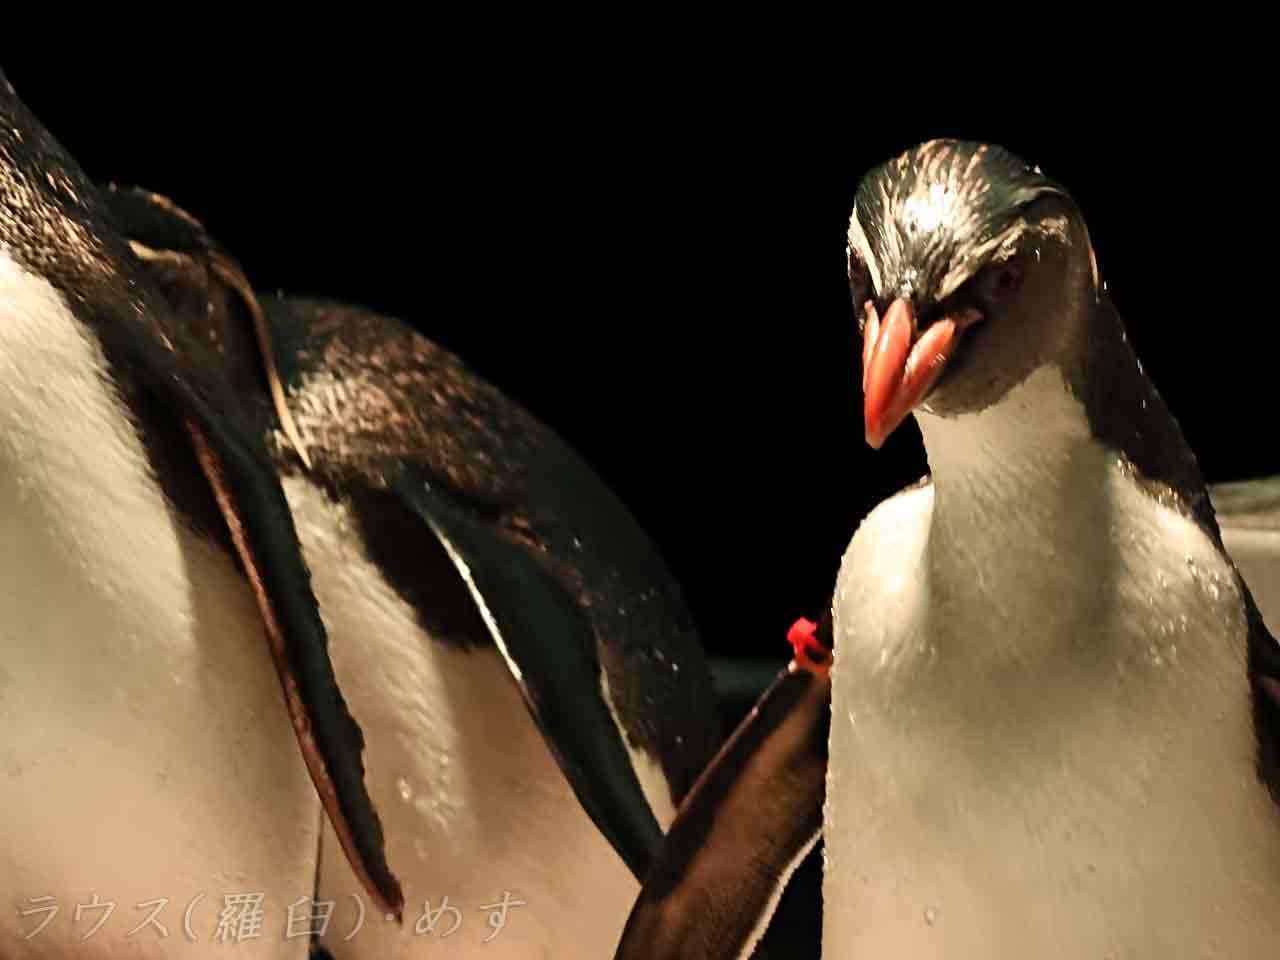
(1027, 466)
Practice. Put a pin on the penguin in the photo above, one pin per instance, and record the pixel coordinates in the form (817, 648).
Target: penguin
(481, 697)
(1053, 703)
(1051, 631)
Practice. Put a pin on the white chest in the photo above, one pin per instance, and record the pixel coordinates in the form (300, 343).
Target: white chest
(1041, 740)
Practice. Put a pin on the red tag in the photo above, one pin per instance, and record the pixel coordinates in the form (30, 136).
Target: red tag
(809, 651)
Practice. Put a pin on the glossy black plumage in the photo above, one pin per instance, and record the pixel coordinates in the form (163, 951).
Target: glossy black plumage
(983, 188)
(427, 454)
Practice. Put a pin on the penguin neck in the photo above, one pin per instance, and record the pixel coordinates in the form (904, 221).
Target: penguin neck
(1037, 465)
(1025, 471)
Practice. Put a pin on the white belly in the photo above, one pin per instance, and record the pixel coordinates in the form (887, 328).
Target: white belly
(143, 758)
(1063, 769)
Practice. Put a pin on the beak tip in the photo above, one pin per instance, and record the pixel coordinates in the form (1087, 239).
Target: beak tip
(875, 437)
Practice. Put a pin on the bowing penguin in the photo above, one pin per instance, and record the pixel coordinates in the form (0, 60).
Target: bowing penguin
(300, 615)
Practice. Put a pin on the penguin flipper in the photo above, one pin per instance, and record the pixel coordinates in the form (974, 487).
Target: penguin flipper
(749, 821)
(549, 648)
(193, 392)
(332, 744)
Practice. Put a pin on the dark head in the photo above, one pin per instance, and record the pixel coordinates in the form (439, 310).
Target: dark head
(969, 269)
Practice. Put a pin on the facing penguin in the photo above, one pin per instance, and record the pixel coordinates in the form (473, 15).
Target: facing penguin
(1053, 721)
(1054, 702)
(185, 466)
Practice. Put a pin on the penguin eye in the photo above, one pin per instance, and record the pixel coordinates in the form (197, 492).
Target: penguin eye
(859, 281)
(1003, 279)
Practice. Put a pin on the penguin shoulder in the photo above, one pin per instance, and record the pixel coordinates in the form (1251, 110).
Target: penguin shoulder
(886, 547)
(896, 520)
(1169, 558)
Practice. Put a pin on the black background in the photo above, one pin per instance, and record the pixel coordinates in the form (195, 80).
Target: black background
(650, 255)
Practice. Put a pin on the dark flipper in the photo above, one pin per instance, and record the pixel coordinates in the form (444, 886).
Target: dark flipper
(55, 222)
(747, 824)
(332, 745)
(198, 279)
(549, 647)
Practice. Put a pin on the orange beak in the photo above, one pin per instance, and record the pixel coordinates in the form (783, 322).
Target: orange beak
(899, 367)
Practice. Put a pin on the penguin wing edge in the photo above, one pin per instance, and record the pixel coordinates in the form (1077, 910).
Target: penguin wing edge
(549, 647)
(197, 386)
(747, 824)
(331, 741)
